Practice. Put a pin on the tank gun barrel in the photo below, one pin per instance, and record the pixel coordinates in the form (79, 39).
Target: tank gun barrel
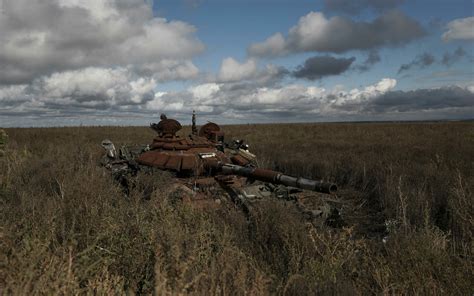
(278, 178)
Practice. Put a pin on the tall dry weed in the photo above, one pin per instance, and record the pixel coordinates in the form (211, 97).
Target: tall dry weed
(405, 189)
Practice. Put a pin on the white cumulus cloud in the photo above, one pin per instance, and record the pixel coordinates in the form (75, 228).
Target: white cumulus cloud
(232, 70)
(460, 29)
(76, 91)
(107, 85)
(38, 38)
(316, 32)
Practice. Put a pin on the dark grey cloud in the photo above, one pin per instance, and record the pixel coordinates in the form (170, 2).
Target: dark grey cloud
(421, 61)
(422, 100)
(320, 66)
(426, 59)
(357, 6)
(451, 58)
(316, 33)
(373, 58)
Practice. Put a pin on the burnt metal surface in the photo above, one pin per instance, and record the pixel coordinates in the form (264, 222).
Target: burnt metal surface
(208, 129)
(166, 127)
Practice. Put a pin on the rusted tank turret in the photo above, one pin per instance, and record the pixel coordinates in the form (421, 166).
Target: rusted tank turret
(201, 156)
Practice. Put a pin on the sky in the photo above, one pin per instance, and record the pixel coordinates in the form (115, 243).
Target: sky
(124, 62)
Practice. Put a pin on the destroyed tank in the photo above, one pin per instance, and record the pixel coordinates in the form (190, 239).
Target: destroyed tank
(209, 172)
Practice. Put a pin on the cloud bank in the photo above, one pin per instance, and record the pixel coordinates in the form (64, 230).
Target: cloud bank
(451, 97)
(121, 94)
(247, 102)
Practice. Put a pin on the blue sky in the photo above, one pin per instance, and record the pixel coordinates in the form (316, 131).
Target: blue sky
(123, 62)
(228, 27)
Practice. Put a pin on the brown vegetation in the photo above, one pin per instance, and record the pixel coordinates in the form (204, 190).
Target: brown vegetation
(66, 227)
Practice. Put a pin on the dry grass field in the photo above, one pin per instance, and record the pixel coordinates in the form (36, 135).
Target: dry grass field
(67, 228)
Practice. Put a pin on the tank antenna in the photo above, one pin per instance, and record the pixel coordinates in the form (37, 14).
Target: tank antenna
(194, 128)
